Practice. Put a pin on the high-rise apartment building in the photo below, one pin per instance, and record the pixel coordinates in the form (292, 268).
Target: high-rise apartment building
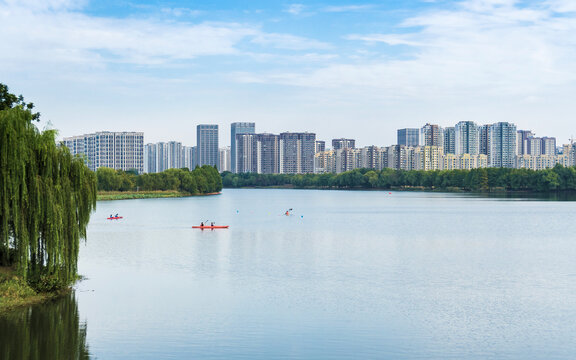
(189, 157)
(503, 146)
(484, 140)
(224, 159)
(339, 144)
(431, 135)
(408, 137)
(268, 153)
(238, 128)
(533, 146)
(297, 153)
(207, 144)
(150, 158)
(258, 153)
(116, 150)
(549, 146)
(449, 140)
(522, 141)
(246, 153)
(173, 155)
(466, 138)
(320, 146)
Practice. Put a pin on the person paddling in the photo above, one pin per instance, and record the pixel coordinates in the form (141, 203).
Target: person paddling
(202, 223)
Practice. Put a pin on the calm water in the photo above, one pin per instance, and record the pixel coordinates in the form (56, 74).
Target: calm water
(350, 275)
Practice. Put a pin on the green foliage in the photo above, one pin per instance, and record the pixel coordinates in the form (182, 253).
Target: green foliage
(9, 101)
(485, 179)
(46, 197)
(201, 180)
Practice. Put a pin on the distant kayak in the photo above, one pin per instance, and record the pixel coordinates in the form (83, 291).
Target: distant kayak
(211, 227)
(114, 218)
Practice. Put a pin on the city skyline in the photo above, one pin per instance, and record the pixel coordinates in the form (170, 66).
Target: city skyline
(154, 67)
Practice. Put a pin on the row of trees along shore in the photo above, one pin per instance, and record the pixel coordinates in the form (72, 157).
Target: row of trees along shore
(558, 178)
(46, 198)
(201, 180)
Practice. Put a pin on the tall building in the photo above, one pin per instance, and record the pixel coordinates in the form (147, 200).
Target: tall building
(522, 141)
(431, 135)
(173, 155)
(297, 153)
(207, 144)
(116, 150)
(224, 159)
(189, 157)
(238, 128)
(320, 146)
(466, 138)
(268, 146)
(449, 140)
(339, 144)
(533, 146)
(246, 153)
(408, 137)
(484, 141)
(549, 146)
(503, 146)
(150, 158)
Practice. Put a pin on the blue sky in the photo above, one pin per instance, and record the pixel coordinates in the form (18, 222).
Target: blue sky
(358, 69)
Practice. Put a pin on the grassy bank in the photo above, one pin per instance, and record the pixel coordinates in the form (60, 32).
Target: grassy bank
(15, 292)
(124, 195)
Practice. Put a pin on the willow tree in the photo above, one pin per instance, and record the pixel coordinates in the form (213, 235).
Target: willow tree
(46, 198)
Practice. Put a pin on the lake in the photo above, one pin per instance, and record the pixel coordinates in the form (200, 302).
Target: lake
(348, 275)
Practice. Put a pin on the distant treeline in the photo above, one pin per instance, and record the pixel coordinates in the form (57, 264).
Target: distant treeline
(558, 178)
(202, 180)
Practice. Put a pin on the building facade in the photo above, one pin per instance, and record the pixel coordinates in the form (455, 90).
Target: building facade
(116, 150)
(207, 144)
(503, 145)
(297, 153)
(238, 128)
(466, 138)
(408, 137)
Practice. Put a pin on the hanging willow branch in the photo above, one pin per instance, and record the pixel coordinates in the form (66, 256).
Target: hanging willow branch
(46, 198)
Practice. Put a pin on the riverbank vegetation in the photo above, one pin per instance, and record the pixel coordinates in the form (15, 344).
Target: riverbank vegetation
(46, 198)
(558, 178)
(118, 184)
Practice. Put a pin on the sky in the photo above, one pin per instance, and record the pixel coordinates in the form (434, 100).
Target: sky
(354, 69)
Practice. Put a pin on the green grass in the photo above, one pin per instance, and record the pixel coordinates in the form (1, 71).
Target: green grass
(123, 195)
(15, 292)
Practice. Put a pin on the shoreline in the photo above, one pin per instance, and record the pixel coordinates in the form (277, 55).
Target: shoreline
(17, 294)
(156, 194)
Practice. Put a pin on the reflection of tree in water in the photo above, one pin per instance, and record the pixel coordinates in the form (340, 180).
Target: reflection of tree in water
(47, 331)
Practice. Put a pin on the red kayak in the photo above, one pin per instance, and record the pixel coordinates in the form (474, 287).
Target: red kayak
(114, 218)
(211, 227)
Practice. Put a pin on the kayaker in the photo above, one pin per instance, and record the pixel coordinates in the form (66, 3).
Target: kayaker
(116, 215)
(212, 223)
(202, 224)
(111, 215)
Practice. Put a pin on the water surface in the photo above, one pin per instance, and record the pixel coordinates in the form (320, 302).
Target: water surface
(350, 275)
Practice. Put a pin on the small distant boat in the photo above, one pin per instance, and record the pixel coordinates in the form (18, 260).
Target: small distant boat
(114, 218)
(211, 227)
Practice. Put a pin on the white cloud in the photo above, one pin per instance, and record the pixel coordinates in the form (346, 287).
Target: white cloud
(295, 9)
(348, 8)
(481, 48)
(563, 6)
(54, 33)
(290, 42)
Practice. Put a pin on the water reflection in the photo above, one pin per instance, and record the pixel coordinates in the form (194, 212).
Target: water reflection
(47, 331)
